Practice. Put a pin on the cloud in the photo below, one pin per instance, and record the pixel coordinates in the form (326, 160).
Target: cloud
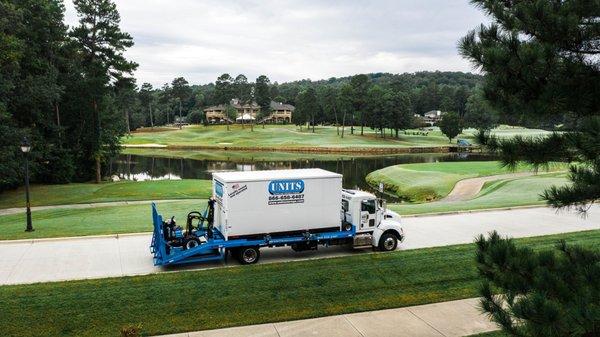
(291, 40)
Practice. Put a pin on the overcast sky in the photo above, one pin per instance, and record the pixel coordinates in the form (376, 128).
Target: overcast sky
(291, 40)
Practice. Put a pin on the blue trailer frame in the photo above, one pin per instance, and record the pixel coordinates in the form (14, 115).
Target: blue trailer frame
(215, 248)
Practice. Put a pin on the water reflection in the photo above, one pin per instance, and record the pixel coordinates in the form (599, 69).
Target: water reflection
(354, 170)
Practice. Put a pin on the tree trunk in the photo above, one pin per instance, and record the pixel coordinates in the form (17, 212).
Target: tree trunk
(313, 124)
(151, 118)
(352, 126)
(337, 125)
(362, 122)
(180, 119)
(396, 133)
(228, 125)
(127, 121)
(343, 123)
(58, 122)
(98, 170)
(98, 145)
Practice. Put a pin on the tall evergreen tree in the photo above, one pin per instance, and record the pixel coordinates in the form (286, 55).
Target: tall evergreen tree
(541, 62)
(400, 116)
(224, 89)
(147, 99)
(360, 87)
(101, 44)
(307, 105)
(377, 108)
(262, 94)
(242, 89)
(181, 92)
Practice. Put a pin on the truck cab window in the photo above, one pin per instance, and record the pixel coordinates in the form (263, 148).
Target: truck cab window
(368, 206)
(345, 205)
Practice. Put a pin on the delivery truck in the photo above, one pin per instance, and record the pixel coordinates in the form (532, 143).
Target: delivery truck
(251, 210)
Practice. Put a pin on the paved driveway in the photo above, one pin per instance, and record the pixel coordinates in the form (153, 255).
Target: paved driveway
(81, 258)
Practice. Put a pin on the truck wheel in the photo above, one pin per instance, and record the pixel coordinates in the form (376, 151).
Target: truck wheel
(388, 242)
(248, 255)
(191, 243)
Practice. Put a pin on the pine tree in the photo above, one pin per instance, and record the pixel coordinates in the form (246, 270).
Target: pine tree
(541, 63)
(262, 94)
(550, 293)
(101, 44)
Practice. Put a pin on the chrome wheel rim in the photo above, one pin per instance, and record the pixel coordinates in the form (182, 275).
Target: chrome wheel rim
(249, 255)
(192, 244)
(388, 244)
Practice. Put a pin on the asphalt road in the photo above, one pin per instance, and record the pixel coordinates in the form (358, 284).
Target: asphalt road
(82, 258)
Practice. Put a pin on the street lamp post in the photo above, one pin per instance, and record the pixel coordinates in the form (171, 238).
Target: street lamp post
(26, 147)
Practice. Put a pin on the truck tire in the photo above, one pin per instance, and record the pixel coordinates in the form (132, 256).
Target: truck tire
(191, 243)
(248, 255)
(388, 242)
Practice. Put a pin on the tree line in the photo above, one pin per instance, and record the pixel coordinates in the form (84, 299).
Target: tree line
(61, 87)
(377, 100)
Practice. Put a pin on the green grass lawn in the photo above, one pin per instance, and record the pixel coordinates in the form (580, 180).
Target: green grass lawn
(289, 136)
(281, 136)
(222, 297)
(136, 218)
(430, 181)
(93, 221)
(512, 192)
(109, 191)
(252, 156)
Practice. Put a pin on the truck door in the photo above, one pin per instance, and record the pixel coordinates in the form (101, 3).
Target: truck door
(368, 214)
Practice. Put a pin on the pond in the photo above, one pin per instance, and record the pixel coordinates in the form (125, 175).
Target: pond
(151, 166)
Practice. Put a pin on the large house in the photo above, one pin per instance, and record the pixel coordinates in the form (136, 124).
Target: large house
(248, 112)
(432, 117)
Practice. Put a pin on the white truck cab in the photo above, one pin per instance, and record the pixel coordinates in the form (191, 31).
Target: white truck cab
(375, 225)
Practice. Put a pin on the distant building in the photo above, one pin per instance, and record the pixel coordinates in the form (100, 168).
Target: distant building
(432, 117)
(248, 112)
(280, 113)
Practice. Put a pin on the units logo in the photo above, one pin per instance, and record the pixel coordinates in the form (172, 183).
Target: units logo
(287, 186)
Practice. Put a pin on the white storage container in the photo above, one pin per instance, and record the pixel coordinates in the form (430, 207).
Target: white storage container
(276, 202)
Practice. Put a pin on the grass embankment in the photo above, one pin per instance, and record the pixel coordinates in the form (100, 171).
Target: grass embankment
(282, 137)
(430, 181)
(209, 299)
(514, 192)
(60, 222)
(109, 191)
(252, 156)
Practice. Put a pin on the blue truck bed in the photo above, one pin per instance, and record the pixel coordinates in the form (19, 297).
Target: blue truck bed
(215, 248)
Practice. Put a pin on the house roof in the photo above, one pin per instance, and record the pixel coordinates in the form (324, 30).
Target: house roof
(235, 103)
(281, 106)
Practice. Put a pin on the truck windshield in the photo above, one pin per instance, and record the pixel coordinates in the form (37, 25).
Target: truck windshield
(368, 206)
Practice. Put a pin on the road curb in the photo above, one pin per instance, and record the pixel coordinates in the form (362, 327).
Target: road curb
(71, 238)
(473, 211)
